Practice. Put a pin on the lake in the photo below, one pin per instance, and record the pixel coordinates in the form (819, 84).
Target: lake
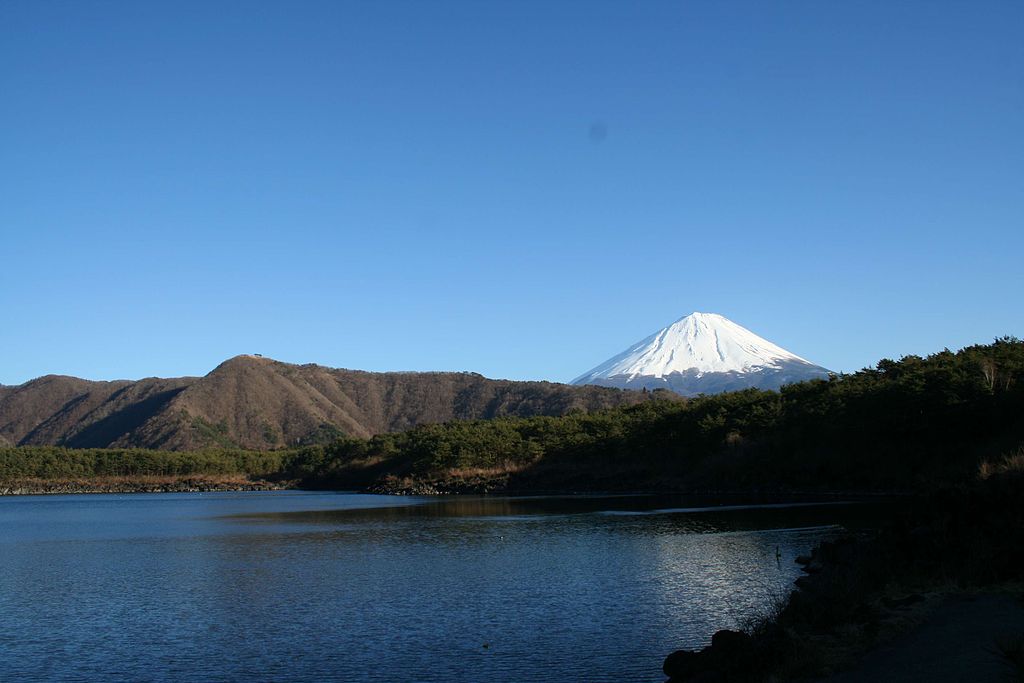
(314, 586)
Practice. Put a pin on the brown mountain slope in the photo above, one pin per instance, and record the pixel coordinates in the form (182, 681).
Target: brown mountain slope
(4, 391)
(79, 413)
(35, 408)
(260, 403)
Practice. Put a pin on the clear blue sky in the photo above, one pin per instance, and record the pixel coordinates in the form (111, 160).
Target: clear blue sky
(515, 188)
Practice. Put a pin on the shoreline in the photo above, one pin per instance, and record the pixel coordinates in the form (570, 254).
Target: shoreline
(408, 486)
(145, 484)
(209, 483)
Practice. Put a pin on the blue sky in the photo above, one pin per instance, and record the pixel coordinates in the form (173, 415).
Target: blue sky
(521, 189)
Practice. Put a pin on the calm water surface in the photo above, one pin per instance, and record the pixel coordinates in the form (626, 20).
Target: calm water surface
(301, 586)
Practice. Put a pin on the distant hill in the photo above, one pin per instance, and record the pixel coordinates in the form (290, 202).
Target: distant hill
(259, 403)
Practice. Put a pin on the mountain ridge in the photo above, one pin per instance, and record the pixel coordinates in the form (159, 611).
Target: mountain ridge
(259, 403)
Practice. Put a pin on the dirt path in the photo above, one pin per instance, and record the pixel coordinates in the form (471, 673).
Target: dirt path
(956, 642)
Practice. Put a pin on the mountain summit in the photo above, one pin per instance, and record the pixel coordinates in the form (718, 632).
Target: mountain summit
(703, 353)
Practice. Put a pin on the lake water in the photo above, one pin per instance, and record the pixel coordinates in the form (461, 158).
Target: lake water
(310, 586)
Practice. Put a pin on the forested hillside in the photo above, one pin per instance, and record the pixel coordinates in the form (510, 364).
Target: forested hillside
(903, 424)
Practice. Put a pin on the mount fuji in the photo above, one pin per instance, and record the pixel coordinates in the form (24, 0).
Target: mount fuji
(703, 353)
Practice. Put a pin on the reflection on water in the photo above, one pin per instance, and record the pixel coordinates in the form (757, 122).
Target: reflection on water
(315, 586)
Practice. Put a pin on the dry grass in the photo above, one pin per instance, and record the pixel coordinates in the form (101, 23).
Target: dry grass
(1008, 463)
(452, 480)
(483, 472)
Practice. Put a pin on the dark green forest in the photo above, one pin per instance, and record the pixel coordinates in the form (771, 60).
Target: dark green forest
(54, 463)
(911, 424)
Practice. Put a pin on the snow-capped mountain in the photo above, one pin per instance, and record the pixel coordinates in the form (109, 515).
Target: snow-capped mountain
(703, 353)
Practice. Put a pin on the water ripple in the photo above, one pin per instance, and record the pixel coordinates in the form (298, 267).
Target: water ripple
(301, 587)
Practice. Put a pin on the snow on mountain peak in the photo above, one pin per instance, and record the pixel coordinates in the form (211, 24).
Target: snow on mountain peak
(699, 343)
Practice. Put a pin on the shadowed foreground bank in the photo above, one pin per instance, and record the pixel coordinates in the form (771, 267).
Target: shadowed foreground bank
(961, 639)
(940, 550)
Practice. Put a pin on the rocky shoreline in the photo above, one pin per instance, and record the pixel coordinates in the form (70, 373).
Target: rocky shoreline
(26, 487)
(860, 591)
(410, 486)
(504, 483)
